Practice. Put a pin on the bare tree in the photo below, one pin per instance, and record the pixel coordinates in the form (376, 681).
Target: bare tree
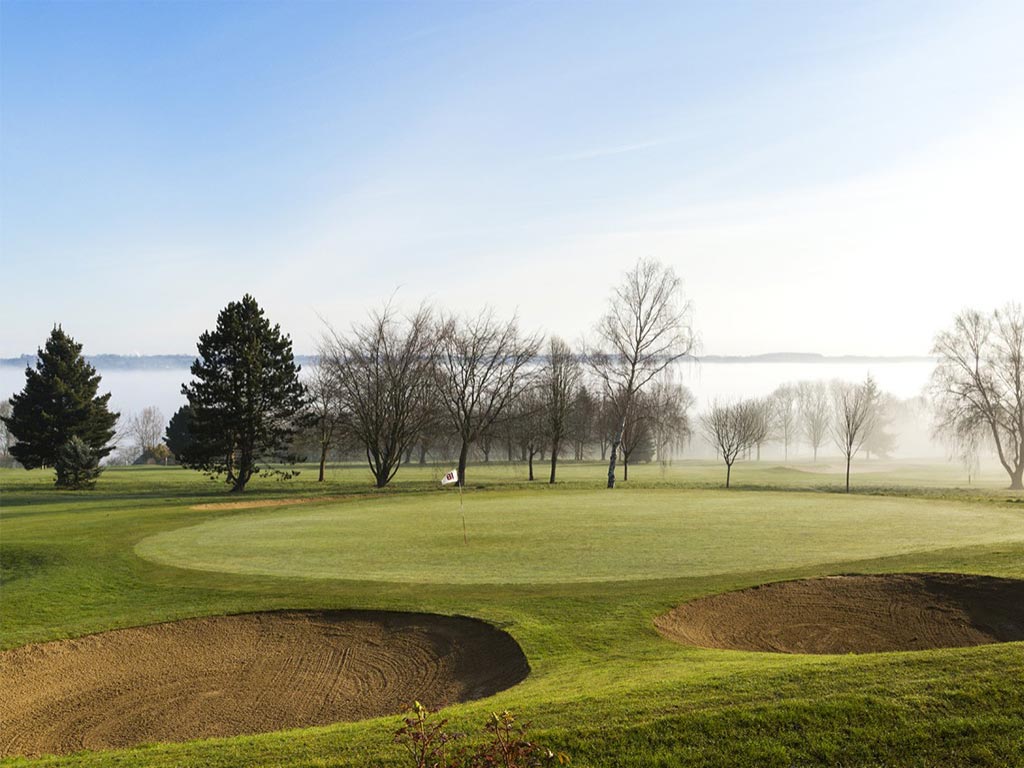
(526, 423)
(815, 407)
(645, 330)
(480, 362)
(978, 384)
(732, 428)
(855, 407)
(560, 379)
(6, 438)
(582, 421)
(385, 384)
(145, 430)
(786, 413)
(764, 411)
(669, 404)
(324, 391)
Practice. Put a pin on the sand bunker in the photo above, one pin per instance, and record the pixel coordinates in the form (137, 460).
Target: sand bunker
(230, 675)
(854, 614)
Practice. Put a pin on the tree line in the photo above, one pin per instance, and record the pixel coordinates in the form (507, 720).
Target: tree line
(395, 385)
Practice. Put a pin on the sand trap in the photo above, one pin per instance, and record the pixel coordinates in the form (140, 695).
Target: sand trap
(854, 614)
(230, 675)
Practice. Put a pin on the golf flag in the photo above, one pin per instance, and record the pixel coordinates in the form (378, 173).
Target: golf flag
(451, 477)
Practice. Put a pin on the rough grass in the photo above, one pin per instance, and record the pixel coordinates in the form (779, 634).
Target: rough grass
(605, 687)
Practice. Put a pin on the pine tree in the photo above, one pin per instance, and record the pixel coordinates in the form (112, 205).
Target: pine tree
(246, 398)
(59, 402)
(178, 435)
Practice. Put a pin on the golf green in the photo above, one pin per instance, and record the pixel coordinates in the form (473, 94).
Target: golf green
(574, 536)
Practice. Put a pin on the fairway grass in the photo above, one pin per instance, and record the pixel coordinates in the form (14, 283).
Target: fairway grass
(574, 536)
(580, 599)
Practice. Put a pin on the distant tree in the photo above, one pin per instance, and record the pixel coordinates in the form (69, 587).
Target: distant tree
(327, 415)
(669, 405)
(480, 364)
(77, 465)
(880, 441)
(815, 407)
(60, 402)
(764, 410)
(178, 435)
(6, 438)
(560, 380)
(978, 384)
(732, 428)
(246, 398)
(144, 429)
(645, 330)
(606, 424)
(384, 374)
(855, 410)
(582, 420)
(786, 415)
(528, 423)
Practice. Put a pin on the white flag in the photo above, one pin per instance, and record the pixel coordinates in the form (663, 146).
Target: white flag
(451, 477)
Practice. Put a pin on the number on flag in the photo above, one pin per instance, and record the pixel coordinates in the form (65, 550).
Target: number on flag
(451, 477)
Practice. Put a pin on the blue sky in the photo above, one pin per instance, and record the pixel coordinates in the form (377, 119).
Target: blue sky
(825, 176)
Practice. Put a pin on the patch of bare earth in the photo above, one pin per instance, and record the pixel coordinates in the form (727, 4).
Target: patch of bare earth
(231, 675)
(854, 614)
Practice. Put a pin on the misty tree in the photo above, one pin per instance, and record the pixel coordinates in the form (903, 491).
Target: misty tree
(560, 380)
(645, 330)
(145, 431)
(480, 363)
(854, 413)
(669, 404)
(880, 441)
(786, 415)
(815, 409)
(978, 384)
(527, 424)
(6, 438)
(764, 410)
(582, 418)
(246, 398)
(384, 374)
(326, 412)
(732, 428)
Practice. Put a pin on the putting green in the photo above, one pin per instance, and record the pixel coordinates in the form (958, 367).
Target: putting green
(552, 536)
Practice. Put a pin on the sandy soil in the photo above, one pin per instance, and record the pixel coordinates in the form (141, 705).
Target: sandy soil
(854, 614)
(230, 675)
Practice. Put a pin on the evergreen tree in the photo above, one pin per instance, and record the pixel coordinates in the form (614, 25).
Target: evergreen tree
(246, 398)
(77, 465)
(178, 436)
(59, 402)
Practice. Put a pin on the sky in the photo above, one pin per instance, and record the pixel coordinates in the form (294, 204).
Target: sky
(832, 177)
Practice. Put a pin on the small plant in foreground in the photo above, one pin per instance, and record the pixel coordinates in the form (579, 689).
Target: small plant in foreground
(429, 744)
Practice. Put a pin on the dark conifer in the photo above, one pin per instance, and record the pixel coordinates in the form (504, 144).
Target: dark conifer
(59, 402)
(246, 398)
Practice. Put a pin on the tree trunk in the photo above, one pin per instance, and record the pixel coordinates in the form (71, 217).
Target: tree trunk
(1017, 479)
(625, 468)
(615, 448)
(758, 451)
(531, 466)
(848, 459)
(815, 453)
(463, 453)
(554, 462)
(423, 453)
(323, 462)
(728, 474)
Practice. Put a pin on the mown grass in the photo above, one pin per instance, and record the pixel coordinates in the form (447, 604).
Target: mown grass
(604, 687)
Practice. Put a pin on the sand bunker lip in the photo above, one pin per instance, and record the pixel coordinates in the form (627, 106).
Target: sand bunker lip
(243, 674)
(854, 614)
